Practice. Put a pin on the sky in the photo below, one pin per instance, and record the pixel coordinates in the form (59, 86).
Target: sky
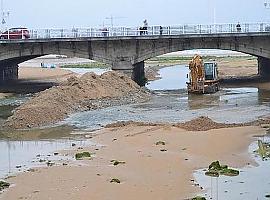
(94, 13)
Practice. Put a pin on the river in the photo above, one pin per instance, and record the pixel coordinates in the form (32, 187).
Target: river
(170, 103)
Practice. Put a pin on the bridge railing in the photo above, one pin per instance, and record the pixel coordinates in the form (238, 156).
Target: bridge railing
(140, 31)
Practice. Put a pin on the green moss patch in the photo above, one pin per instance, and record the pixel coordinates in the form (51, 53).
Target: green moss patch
(263, 150)
(116, 162)
(4, 185)
(115, 180)
(160, 143)
(83, 155)
(199, 198)
(215, 170)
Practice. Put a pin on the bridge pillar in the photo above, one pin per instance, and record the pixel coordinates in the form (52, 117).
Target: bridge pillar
(134, 71)
(138, 74)
(8, 73)
(264, 67)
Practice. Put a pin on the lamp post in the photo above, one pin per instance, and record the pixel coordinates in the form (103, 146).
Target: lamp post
(112, 19)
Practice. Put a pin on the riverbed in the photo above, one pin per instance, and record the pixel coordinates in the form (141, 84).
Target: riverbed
(170, 103)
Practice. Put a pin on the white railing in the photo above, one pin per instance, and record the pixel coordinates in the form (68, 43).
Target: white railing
(138, 31)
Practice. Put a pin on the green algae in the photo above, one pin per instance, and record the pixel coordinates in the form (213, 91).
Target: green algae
(115, 180)
(199, 198)
(263, 150)
(215, 170)
(160, 143)
(116, 162)
(83, 155)
(4, 185)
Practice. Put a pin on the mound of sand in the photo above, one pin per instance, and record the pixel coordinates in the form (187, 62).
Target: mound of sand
(75, 94)
(199, 124)
(204, 124)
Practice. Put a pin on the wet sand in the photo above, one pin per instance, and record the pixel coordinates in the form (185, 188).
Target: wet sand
(148, 172)
(38, 73)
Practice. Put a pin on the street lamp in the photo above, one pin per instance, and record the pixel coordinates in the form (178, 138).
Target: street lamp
(112, 19)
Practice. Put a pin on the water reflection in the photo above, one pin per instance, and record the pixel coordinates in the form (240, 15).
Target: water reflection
(18, 156)
(252, 182)
(264, 96)
(172, 78)
(196, 102)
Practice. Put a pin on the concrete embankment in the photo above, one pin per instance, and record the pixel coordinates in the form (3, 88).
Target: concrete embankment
(88, 92)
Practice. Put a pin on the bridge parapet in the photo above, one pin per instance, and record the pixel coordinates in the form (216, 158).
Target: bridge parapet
(150, 31)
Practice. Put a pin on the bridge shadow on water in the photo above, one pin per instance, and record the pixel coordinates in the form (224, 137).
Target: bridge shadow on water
(25, 86)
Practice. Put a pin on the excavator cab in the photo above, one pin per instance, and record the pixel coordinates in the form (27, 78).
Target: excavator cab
(203, 77)
(211, 73)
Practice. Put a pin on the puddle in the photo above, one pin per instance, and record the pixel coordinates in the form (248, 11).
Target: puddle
(17, 156)
(252, 182)
(7, 105)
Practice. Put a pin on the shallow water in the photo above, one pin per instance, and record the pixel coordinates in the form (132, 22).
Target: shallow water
(9, 104)
(173, 78)
(171, 103)
(252, 182)
(17, 156)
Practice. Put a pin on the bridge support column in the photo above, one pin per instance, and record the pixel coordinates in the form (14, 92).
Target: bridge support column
(135, 72)
(264, 67)
(138, 74)
(8, 73)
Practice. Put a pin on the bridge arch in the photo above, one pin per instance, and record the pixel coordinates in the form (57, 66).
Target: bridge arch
(157, 48)
(128, 53)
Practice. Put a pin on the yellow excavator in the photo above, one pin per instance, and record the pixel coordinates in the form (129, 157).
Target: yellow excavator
(203, 77)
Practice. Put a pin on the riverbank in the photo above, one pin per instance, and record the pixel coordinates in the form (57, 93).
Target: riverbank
(149, 170)
(229, 67)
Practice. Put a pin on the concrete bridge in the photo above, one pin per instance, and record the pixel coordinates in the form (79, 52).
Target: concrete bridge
(126, 49)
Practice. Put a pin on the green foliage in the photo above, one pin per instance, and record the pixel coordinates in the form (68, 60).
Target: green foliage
(81, 156)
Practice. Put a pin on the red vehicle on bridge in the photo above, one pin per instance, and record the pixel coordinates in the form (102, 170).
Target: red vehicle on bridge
(15, 33)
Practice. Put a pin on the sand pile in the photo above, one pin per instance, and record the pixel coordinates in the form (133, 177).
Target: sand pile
(204, 124)
(75, 94)
(199, 124)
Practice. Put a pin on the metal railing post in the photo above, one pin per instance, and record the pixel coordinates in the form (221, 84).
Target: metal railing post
(261, 27)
